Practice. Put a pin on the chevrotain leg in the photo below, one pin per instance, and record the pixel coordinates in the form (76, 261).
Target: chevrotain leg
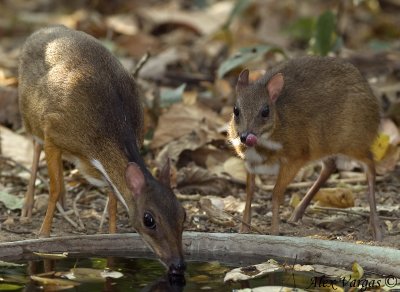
(328, 167)
(250, 186)
(373, 217)
(112, 213)
(29, 196)
(286, 174)
(55, 169)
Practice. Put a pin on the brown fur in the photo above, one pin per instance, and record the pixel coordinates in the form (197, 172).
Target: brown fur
(325, 108)
(76, 97)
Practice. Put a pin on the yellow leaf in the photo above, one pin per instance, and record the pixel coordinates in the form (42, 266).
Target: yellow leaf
(334, 197)
(52, 256)
(358, 271)
(380, 146)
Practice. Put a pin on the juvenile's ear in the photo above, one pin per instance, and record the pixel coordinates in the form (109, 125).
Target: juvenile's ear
(243, 79)
(274, 86)
(165, 177)
(134, 179)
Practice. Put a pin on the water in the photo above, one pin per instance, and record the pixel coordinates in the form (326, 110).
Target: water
(138, 274)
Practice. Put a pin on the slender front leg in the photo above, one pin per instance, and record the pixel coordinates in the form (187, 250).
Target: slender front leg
(373, 216)
(287, 172)
(328, 167)
(29, 196)
(55, 169)
(250, 187)
(112, 213)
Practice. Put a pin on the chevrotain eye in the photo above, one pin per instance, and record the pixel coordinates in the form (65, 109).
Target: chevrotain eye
(148, 220)
(236, 111)
(265, 112)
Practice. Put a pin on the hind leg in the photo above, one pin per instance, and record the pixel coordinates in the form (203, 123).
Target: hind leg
(55, 169)
(29, 196)
(328, 167)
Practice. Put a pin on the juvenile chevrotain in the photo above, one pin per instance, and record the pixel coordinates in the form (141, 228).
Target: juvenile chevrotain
(78, 102)
(306, 109)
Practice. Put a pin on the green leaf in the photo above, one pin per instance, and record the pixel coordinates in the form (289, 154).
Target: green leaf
(8, 264)
(237, 10)
(325, 33)
(170, 96)
(10, 287)
(245, 55)
(11, 202)
(302, 29)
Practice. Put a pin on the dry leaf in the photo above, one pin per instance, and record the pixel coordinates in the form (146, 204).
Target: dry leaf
(123, 24)
(9, 112)
(215, 215)
(194, 179)
(335, 197)
(235, 167)
(252, 272)
(15, 146)
(182, 119)
(205, 21)
(232, 204)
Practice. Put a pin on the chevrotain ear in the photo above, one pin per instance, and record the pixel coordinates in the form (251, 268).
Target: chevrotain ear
(274, 86)
(134, 178)
(243, 79)
(165, 176)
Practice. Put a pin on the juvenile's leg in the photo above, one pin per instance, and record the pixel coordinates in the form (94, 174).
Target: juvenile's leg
(286, 174)
(29, 196)
(55, 169)
(250, 186)
(328, 167)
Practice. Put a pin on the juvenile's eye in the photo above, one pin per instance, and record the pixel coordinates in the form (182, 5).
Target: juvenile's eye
(265, 112)
(236, 111)
(149, 221)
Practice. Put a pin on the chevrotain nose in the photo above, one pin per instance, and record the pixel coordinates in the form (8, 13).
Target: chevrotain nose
(177, 268)
(250, 139)
(243, 137)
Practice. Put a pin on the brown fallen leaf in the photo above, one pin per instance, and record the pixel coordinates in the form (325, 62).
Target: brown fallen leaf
(335, 197)
(194, 179)
(181, 119)
(215, 215)
(9, 112)
(17, 147)
(234, 166)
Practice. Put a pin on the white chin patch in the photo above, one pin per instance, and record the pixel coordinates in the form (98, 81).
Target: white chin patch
(252, 156)
(97, 164)
(269, 144)
(266, 169)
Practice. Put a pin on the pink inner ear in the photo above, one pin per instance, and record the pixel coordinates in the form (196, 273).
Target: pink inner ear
(274, 86)
(134, 178)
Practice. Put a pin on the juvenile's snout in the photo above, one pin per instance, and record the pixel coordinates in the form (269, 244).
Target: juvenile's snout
(248, 138)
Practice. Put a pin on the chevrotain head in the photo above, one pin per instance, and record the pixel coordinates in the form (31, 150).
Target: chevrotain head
(158, 216)
(254, 113)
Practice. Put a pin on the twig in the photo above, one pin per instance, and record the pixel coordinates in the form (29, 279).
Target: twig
(352, 212)
(182, 197)
(59, 207)
(237, 218)
(103, 216)
(308, 184)
(78, 196)
(140, 65)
